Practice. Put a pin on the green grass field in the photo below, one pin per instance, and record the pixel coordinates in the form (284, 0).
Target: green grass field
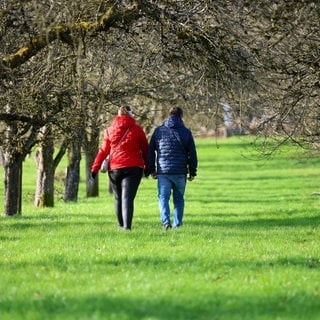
(249, 247)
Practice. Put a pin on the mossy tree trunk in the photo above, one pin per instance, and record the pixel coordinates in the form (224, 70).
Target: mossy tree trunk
(90, 148)
(13, 184)
(44, 196)
(92, 185)
(73, 169)
(12, 173)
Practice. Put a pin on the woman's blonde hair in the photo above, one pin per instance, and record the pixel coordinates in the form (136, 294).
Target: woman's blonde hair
(124, 110)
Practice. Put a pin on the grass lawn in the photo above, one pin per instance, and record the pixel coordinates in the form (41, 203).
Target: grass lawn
(249, 247)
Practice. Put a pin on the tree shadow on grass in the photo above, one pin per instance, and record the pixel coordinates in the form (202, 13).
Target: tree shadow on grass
(190, 266)
(258, 223)
(49, 221)
(250, 198)
(198, 306)
(199, 220)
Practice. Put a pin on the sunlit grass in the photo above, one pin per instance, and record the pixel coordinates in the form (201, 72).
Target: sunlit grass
(249, 248)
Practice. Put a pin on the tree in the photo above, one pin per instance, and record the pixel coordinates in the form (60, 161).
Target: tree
(259, 59)
(47, 163)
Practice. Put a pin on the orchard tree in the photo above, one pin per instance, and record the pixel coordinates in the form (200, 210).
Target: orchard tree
(297, 77)
(283, 41)
(203, 55)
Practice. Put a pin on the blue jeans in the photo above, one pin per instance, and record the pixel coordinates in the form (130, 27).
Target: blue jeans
(176, 183)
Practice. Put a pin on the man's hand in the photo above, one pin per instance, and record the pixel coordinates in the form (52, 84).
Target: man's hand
(190, 178)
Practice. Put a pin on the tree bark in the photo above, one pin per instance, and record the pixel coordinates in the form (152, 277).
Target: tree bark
(12, 174)
(73, 169)
(45, 165)
(92, 185)
(13, 185)
(64, 32)
(91, 147)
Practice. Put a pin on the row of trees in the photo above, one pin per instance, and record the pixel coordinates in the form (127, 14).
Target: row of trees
(65, 66)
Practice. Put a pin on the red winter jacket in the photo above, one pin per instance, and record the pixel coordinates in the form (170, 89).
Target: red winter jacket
(132, 150)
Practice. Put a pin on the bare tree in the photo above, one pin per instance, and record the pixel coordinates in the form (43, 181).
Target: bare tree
(283, 41)
(260, 59)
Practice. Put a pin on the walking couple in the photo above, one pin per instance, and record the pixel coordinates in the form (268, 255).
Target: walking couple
(170, 157)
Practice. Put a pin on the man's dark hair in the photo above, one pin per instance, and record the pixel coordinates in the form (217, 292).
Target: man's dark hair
(176, 111)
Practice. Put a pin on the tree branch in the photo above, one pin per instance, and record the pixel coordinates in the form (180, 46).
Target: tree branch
(6, 117)
(68, 34)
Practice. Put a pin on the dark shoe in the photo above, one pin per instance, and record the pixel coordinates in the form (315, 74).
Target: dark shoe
(167, 226)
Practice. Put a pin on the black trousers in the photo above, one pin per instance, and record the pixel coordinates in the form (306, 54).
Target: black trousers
(125, 183)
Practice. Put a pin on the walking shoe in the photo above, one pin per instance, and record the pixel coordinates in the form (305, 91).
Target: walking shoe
(167, 226)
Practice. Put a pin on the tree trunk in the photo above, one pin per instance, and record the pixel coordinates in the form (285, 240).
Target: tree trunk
(12, 184)
(45, 164)
(92, 186)
(91, 147)
(12, 174)
(73, 170)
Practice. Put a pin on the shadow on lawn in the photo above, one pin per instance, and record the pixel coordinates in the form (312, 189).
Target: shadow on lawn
(205, 220)
(48, 221)
(157, 306)
(257, 223)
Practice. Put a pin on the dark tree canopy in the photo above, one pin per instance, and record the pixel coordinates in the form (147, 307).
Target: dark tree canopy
(260, 58)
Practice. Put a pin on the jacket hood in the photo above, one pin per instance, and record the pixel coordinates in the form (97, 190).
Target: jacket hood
(119, 126)
(173, 122)
(121, 122)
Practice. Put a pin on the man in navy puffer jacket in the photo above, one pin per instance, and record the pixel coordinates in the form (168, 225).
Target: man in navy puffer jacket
(172, 156)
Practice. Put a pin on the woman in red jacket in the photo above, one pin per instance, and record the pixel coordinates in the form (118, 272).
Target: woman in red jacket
(127, 147)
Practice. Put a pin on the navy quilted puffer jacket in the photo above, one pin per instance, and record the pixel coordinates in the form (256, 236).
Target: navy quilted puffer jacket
(172, 149)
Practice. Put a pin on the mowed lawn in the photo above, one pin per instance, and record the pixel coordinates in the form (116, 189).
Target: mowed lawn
(249, 247)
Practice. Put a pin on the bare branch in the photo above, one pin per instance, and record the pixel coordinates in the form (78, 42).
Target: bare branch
(68, 34)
